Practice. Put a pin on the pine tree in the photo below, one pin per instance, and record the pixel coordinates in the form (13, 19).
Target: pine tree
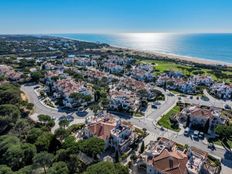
(142, 147)
(116, 156)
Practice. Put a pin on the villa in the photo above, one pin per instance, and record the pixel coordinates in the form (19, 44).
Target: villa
(140, 74)
(116, 133)
(49, 66)
(123, 100)
(146, 67)
(94, 74)
(65, 87)
(85, 62)
(202, 80)
(196, 160)
(10, 73)
(112, 68)
(163, 157)
(178, 84)
(132, 84)
(202, 118)
(80, 61)
(222, 90)
(119, 60)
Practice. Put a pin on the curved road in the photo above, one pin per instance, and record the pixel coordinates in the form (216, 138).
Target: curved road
(38, 106)
(146, 122)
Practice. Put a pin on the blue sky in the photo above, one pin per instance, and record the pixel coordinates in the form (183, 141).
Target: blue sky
(110, 16)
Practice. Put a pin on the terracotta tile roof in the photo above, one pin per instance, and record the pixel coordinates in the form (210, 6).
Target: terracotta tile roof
(170, 162)
(197, 111)
(101, 129)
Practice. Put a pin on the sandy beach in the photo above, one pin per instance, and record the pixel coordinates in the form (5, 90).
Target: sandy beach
(186, 59)
(154, 54)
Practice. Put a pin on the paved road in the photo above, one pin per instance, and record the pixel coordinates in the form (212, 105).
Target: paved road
(146, 122)
(39, 108)
(215, 101)
(169, 103)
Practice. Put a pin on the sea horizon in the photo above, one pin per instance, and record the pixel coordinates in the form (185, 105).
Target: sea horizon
(214, 47)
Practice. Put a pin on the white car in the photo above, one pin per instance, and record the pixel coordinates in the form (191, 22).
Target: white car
(186, 131)
(196, 134)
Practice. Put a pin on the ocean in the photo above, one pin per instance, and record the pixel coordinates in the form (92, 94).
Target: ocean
(214, 47)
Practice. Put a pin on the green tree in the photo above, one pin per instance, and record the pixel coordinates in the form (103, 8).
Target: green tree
(14, 153)
(58, 168)
(69, 142)
(73, 162)
(95, 108)
(25, 170)
(9, 94)
(224, 131)
(74, 128)
(105, 102)
(61, 133)
(46, 120)
(43, 159)
(79, 97)
(107, 168)
(116, 156)
(63, 123)
(142, 148)
(30, 106)
(92, 146)
(9, 114)
(36, 76)
(21, 128)
(4, 169)
(33, 134)
(43, 142)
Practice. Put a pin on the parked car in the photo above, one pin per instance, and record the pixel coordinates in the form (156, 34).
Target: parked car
(70, 118)
(186, 131)
(227, 106)
(201, 135)
(81, 109)
(36, 87)
(62, 118)
(157, 103)
(204, 98)
(154, 106)
(211, 146)
(196, 134)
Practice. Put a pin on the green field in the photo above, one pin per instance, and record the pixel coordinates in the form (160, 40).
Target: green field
(165, 120)
(162, 66)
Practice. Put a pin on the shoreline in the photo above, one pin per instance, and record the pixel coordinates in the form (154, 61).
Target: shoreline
(187, 59)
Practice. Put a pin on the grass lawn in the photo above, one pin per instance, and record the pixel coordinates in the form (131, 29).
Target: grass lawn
(165, 121)
(161, 66)
(218, 142)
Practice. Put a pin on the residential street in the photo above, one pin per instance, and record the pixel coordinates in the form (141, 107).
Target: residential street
(145, 122)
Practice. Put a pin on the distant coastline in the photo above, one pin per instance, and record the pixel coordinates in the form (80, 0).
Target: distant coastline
(188, 59)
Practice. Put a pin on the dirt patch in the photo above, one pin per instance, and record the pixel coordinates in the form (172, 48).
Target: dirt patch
(23, 96)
